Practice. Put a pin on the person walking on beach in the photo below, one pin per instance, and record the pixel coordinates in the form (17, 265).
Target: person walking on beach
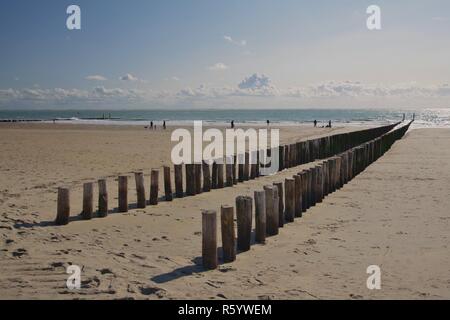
(268, 122)
(151, 125)
(164, 124)
(329, 124)
(232, 124)
(315, 123)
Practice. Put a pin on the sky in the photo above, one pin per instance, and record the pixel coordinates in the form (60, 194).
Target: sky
(224, 54)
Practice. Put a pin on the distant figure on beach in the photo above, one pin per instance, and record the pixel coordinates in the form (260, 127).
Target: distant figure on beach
(54, 121)
(403, 117)
(151, 124)
(268, 122)
(329, 124)
(164, 124)
(232, 124)
(315, 123)
(414, 116)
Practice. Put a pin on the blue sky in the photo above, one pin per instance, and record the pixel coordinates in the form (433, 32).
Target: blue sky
(219, 54)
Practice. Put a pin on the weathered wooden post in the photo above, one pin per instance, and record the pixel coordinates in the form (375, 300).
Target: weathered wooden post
(271, 219)
(279, 186)
(229, 172)
(140, 189)
(304, 191)
(247, 166)
(253, 162)
(325, 178)
(286, 156)
(206, 177)
(281, 157)
(190, 179)
(338, 172)
(63, 206)
(319, 184)
(102, 198)
(220, 183)
(289, 197)
(178, 168)
(310, 188)
(215, 175)
(198, 178)
(235, 178)
(276, 207)
(154, 186)
(228, 235)
(260, 216)
(123, 194)
(88, 201)
(298, 196)
(209, 239)
(313, 175)
(244, 222)
(167, 184)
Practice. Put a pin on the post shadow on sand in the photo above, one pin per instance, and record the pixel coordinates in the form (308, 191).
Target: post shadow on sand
(78, 217)
(196, 267)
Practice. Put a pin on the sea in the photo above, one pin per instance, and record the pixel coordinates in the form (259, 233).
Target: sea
(282, 117)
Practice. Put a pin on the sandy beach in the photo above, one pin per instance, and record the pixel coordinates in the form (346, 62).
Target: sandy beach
(394, 214)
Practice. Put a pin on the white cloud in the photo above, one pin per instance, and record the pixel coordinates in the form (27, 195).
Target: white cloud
(128, 77)
(253, 90)
(241, 43)
(218, 67)
(175, 78)
(96, 77)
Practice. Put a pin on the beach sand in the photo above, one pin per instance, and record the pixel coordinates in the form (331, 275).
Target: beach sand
(394, 214)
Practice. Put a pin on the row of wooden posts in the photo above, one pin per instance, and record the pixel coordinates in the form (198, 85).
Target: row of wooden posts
(274, 206)
(203, 177)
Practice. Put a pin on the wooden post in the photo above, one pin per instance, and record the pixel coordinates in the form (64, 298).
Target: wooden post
(167, 184)
(298, 196)
(331, 173)
(271, 219)
(228, 235)
(220, 174)
(178, 169)
(154, 186)
(281, 157)
(289, 186)
(102, 198)
(338, 172)
(319, 184)
(63, 206)
(253, 162)
(276, 207)
(206, 177)
(215, 174)
(190, 179)
(279, 186)
(198, 178)
(123, 194)
(304, 191)
(247, 167)
(260, 216)
(286, 156)
(310, 188)
(88, 201)
(229, 172)
(244, 222)
(313, 185)
(235, 179)
(241, 166)
(209, 239)
(140, 189)
(325, 178)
